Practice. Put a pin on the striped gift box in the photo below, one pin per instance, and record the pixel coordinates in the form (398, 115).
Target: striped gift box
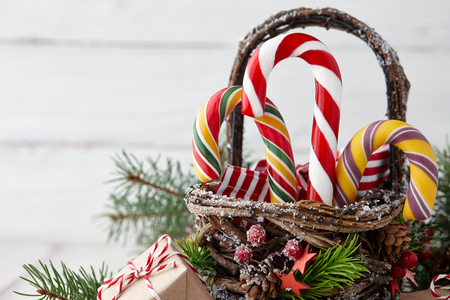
(244, 184)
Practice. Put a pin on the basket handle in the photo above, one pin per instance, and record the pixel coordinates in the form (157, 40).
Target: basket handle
(397, 84)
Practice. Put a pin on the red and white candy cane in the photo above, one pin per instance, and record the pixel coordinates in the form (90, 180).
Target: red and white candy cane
(433, 286)
(150, 268)
(277, 143)
(327, 105)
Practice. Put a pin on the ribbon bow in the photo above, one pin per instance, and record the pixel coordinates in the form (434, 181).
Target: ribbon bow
(151, 267)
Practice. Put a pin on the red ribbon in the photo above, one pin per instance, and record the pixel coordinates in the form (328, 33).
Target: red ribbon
(432, 286)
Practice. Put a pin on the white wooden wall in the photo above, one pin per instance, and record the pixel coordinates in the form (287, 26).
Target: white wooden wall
(80, 80)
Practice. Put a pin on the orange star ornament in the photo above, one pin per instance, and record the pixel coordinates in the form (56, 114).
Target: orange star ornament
(303, 260)
(410, 277)
(288, 281)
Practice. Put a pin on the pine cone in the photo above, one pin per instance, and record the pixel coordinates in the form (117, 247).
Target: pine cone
(259, 281)
(441, 262)
(389, 242)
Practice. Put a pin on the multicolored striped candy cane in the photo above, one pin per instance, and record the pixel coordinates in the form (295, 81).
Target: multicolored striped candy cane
(423, 168)
(205, 139)
(277, 143)
(279, 155)
(327, 105)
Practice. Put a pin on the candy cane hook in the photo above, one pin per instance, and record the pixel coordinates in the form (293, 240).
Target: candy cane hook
(422, 161)
(277, 143)
(327, 103)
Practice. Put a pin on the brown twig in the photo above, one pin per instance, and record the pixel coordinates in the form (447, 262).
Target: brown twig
(204, 233)
(120, 216)
(224, 225)
(229, 265)
(366, 241)
(307, 215)
(376, 265)
(136, 179)
(50, 294)
(229, 283)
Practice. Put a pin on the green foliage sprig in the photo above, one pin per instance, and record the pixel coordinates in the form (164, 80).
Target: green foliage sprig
(148, 200)
(332, 269)
(51, 284)
(198, 256)
(440, 222)
(416, 233)
(440, 217)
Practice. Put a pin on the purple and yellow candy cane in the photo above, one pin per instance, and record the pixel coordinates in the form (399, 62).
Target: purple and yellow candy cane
(423, 168)
(277, 143)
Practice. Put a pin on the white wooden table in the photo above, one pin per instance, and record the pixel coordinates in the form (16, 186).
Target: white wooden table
(82, 80)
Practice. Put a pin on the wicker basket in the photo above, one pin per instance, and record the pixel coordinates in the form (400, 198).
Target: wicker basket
(317, 224)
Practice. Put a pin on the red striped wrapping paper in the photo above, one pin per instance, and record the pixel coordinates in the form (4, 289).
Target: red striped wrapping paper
(244, 184)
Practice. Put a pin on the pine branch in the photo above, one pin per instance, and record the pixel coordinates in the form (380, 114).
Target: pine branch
(198, 256)
(50, 295)
(416, 233)
(148, 200)
(141, 216)
(68, 285)
(133, 177)
(441, 211)
(136, 179)
(332, 269)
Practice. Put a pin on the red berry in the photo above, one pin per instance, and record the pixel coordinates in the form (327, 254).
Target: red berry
(408, 259)
(424, 253)
(293, 249)
(398, 271)
(256, 235)
(404, 227)
(243, 254)
(426, 236)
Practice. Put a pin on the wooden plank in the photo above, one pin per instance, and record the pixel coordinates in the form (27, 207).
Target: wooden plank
(52, 195)
(88, 97)
(402, 22)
